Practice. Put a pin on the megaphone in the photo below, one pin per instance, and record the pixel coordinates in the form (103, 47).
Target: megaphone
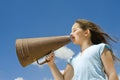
(30, 50)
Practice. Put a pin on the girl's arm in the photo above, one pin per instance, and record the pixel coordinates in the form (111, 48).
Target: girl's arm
(109, 64)
(68, 72)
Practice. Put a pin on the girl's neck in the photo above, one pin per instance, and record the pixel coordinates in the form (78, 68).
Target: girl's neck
(85, 45)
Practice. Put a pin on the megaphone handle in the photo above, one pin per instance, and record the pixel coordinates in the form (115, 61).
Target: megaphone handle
(42, 62)
(45, 61)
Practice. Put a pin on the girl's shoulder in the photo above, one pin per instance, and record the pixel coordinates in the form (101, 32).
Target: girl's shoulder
(104, 45)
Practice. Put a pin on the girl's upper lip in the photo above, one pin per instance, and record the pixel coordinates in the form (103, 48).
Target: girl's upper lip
(72, 37)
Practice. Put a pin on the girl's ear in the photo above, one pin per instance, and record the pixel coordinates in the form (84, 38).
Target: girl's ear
(87, 32)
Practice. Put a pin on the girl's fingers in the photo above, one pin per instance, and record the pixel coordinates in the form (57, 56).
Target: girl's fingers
(50, 57)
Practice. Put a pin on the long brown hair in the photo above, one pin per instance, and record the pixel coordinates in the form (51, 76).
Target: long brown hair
(97, 34)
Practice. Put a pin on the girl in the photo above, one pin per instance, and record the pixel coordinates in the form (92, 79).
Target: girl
(95, 60)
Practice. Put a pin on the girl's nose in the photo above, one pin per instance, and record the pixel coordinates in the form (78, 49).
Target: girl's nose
(71, 34)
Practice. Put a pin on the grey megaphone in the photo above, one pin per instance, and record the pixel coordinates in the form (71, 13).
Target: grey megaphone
(31, 49)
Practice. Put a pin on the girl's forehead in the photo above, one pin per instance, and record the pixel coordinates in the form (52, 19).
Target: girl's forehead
(76, 25)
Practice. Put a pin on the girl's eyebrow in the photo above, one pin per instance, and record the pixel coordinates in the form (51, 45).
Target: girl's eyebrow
(74, 29)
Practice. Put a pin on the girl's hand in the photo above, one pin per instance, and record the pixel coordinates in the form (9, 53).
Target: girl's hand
(50, 58)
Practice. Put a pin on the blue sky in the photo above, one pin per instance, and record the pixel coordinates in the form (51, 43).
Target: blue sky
(41, 18)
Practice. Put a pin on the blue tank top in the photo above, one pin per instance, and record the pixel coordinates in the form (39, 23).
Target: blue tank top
(88, 66)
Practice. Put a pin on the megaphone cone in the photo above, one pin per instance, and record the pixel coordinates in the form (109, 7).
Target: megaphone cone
(31, 49)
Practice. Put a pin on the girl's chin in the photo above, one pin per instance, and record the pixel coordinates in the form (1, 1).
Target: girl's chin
(74, 42)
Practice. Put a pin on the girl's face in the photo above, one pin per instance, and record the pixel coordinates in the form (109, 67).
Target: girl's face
(78, 35)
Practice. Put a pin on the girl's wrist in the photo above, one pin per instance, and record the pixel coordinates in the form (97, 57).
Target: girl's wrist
(51, 64)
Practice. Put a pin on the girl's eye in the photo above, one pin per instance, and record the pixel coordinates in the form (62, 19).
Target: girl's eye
(74, 30)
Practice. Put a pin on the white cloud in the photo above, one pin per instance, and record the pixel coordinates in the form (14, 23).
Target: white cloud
(62, 71)
(119, 77)
(64, 53)
(19, 78)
